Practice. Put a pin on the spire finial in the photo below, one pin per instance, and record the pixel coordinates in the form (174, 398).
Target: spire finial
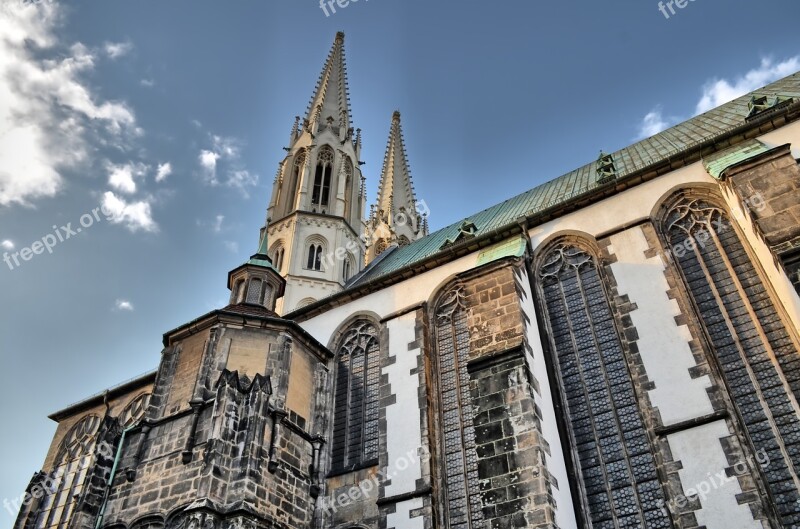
(340, 37)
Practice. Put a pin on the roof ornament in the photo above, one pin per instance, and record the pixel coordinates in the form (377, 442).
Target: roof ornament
(606, 170)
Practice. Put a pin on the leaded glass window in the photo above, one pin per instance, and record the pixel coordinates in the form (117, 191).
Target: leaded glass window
(460, 493)
(618, 480)
(72, 464)
(754, 351)
(355, 425)
(322, 177)
(254, 291)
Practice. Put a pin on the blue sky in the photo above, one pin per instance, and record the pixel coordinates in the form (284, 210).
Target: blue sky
(115, 103)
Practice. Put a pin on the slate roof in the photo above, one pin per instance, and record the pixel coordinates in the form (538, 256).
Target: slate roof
(650, 151)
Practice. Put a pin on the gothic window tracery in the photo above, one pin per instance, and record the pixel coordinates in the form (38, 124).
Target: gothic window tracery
(293, 186)
(461, 493)
(617, 473)
(355, 425)
(752, 347)
(72, 464)
(134, 411)
(320, 194)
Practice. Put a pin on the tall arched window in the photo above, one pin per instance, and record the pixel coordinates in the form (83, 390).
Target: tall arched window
(617, 472)
(347, 267)
(314, 261)
(72, 463)
(348, 188)
(461, 492)
(322, 177)
(752, 347)
(278, 253)
(293, 184)
(355, 423)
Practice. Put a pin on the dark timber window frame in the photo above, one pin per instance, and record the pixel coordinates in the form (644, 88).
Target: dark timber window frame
(356, 432)
(600, 401)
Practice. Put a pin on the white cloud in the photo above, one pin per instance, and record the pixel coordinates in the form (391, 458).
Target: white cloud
(164, 170)
(117, 49)
(208, 161)
(217, 226)
(719, 91)
(123, 305)
(7, 244)
(227, 151)
(232, 246)
(122, 177)
(653, 123)
(149, 83)
(49, 114)
(133, 215)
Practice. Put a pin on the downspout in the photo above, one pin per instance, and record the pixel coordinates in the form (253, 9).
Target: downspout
(112, 476)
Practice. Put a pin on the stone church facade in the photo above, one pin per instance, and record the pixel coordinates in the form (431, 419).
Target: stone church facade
(615, 348)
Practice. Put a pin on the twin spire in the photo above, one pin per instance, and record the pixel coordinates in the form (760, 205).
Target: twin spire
(330, 104)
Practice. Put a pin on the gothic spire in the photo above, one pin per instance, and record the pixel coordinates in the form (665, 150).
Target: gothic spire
(395, 190)
(331, 100)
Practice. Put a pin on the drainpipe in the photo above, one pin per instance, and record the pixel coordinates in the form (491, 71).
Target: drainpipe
(112, 476)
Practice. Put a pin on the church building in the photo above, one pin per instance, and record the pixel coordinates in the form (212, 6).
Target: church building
(617, 348)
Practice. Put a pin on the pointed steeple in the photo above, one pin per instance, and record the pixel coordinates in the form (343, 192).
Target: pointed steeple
(331, 100)
(394, 217)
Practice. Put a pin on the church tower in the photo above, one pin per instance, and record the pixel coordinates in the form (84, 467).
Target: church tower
(315, 215)
(395, 218)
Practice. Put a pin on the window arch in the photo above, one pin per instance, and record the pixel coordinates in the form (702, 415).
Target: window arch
(348, 266)
(380, 247)
(403, 241)
(320, 194)
(305, 302)
(616, 469)
(293, 182)
(355, 423)
(237, 296)
(754, 351)
(72, 464)
(348, 188)
(460, 493)
(314, 260)
(278, 253)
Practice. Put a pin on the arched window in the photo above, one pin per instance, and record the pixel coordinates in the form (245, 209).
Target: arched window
(753, 349)
(293, 184)
(347, 267)
(314, 261)
(322, 177)
(237, 295)
(254, 291)
(403, 241)
(348, 188)
(277, 257)
(72, 463)
(617, 474)
(305, 302)
(355, 424)
(461, 492)
(380, 247)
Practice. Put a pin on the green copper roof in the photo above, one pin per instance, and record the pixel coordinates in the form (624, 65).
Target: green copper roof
(717, 163)
(659, 148)
(261, 257)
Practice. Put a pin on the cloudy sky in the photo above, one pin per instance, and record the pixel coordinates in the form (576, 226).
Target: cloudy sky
(171, 117)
